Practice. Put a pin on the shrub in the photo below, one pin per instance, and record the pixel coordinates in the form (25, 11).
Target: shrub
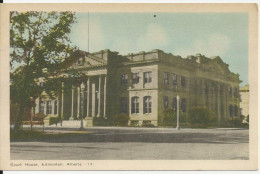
(234, 122)
(170, 117)
(120, 120)
(247, 119)
(54, 120)
(201, 116)
(39, 117)
(147, 124)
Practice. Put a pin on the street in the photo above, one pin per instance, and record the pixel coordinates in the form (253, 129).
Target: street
(136, 143)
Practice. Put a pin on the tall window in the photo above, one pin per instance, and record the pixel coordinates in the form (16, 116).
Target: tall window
(165, 78)
(174, 79)
(135, 78)
(230, 110)
(183, 81)
(235, 110)
(147, 104)
(49, 107)
(41, 107)
(123, 105)
(135, 105)
(183, 105)
(148, 77)
(230, 91)
(174, 103)
(55, 107)
(165, 102)
(123, 79)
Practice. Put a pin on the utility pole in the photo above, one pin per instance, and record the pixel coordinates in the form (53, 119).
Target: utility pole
(178, 110)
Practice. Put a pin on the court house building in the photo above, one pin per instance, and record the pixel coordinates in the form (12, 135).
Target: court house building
(142, 86)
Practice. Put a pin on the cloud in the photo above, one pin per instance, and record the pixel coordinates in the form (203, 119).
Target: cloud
(215, 45)
(154, 37)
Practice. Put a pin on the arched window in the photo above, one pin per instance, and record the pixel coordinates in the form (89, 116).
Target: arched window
(147, 104)
(41, 107)
(230, 110)
(135, 105)
(49, 107)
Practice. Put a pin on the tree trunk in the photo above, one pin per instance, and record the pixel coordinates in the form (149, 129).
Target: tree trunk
(18, 122)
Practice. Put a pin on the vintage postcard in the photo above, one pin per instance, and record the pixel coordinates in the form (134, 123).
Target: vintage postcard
(129, 86)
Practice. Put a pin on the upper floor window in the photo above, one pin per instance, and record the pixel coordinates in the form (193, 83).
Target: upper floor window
(235, 92)
(123, 79)
(183, 105)
(41, 84)
(135, 78)
(183, 81)
(174, 79)
(123, 105)
(147, 104)
(165, 102)
(165, 78)
(135, 105)
(230, 91)
(49, 107)
(148, 77)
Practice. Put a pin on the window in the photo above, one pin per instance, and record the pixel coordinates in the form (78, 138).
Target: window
(147, 77)
(230, 110)
(135, 78)
(41, 107)
(49, 107)
(174, 79)
(55, 107)
(165, 78)
(235, 93)
(147, 104)
(123, 79)
(230, 91)
(183, 81)
(235, 110)
(183, 105)
(123, 105)
(165, 102)
(174, 104)
(41, 84)
(135, 105)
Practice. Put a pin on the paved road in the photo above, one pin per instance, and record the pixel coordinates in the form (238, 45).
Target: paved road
(137, 143)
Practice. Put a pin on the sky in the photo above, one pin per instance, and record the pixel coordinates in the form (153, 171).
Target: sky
(211, 34)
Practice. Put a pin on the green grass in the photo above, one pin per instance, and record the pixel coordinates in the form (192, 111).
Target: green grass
(35, 135)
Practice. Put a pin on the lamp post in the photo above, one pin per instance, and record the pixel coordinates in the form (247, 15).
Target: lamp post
(82, 86)
(178, 109)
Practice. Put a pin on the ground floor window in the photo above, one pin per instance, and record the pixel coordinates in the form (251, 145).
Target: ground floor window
(165, 102)
(135, 105)
(55, 107)
(174, 103)
(183, 104)
(235, 111)
(123, 105)
(49, 107)
(41, 107)
(230, 110)
(147, 104)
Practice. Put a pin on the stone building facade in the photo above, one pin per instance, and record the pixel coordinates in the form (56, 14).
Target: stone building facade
(143, 85)
(244, 100)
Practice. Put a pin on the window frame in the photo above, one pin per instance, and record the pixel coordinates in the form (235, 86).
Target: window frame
(148, 78)
(123, 79)
(147, 105)
(135, 78)
(135, 105)
(165, 78)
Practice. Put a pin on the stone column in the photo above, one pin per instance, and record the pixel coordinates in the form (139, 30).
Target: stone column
(105, 96)
(99, 96)
(72, 103)
(78, 103)
(93, 99)
(58, 106)
(37, 107)
(62, 101)
(52, 106)
(88, 95)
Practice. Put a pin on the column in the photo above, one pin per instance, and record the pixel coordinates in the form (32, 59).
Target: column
(88, 94)
(78, 103)
(37, 107)
(105, 96)
(62, 101)
(93, 99)
(58, 107)
(99, 96)
(72, 103)
(52, 106)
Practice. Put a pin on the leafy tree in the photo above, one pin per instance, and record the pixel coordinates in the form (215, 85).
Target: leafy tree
(201, 115)
(40, 44)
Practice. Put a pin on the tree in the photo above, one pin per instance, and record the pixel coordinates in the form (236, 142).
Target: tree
(40, 44)
(201, 115)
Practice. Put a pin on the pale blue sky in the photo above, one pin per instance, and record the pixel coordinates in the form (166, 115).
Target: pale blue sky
(211, 34)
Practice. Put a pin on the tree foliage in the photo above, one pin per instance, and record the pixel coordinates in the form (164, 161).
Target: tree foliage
(40, 44)
(201, 115)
